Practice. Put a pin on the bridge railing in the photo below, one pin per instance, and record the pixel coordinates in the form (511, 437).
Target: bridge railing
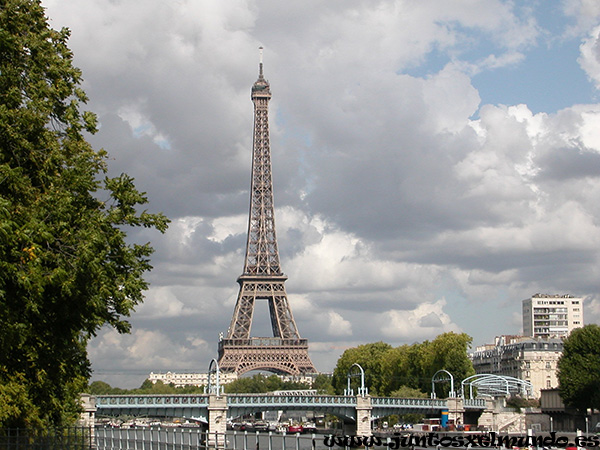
(152, 400)
(409, 402)
(261, 399)
(478, 403)
(201, 400)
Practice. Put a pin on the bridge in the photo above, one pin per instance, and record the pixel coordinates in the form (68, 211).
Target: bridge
(214, 409)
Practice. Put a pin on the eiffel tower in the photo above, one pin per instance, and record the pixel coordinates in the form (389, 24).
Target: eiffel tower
(285, 352)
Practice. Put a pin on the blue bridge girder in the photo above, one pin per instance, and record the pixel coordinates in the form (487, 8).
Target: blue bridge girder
(196, 405)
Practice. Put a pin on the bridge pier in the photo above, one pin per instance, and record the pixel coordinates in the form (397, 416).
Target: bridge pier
(363, 415)
(456, 410)
(217, 420)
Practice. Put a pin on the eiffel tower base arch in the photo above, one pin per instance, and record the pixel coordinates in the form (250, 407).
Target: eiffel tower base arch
(281, 356)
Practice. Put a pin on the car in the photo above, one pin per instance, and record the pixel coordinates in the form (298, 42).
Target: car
(309, 428)
(261, 426)
(295, 429)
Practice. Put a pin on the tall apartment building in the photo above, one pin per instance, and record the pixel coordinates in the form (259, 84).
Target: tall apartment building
(549, 316)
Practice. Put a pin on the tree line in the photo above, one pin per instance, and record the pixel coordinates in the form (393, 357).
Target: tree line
(390, 371)
(255, 384)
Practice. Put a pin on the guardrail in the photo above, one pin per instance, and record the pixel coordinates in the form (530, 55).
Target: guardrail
(409, 402)
(240, 400)
(151, 400)
(258, 399)
(474, 403)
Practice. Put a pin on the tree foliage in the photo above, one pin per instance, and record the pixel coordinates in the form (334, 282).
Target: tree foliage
(579, 368)
(390, 369)
(65, 267)
(371, 358)
(322, 384)
(258, 384)
(408, 392)
(147, 388)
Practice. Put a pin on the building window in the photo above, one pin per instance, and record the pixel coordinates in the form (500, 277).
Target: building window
(548, 365)
(548, 384)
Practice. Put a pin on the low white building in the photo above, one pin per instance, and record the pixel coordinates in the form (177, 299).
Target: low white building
(201, 379)
(189, 379)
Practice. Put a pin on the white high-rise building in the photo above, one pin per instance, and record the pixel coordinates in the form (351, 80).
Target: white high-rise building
(548, 316)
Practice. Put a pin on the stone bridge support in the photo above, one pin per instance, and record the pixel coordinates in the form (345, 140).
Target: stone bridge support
(456, 410)
(217, 420)
(363, 415)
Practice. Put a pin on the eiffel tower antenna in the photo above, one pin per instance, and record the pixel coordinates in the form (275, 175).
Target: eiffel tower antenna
(262, 278)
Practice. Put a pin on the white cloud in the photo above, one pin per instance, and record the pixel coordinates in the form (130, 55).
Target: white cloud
(585, 12)
(590, 56)
(161, 302)
(424, 322)
(338, 326)
(130, 358)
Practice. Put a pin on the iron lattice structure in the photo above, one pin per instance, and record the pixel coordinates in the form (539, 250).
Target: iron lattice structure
(262, 278)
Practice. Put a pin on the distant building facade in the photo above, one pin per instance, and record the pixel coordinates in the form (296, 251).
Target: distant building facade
(201, 379)
(548, 316)
(526, 358)
(189, 379)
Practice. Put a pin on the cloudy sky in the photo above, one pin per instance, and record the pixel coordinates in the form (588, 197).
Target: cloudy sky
(435, 162)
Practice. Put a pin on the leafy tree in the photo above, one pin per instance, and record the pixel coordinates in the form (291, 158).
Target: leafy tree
(65, 268)
(388, 369)
(258, 384)
(147, 387)
(370, 357)
(408, 392)
(447, 351)
(251, 385)
(579, 368)
(322, 384)
(16, 406)
(100, 388)
(403, 366)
